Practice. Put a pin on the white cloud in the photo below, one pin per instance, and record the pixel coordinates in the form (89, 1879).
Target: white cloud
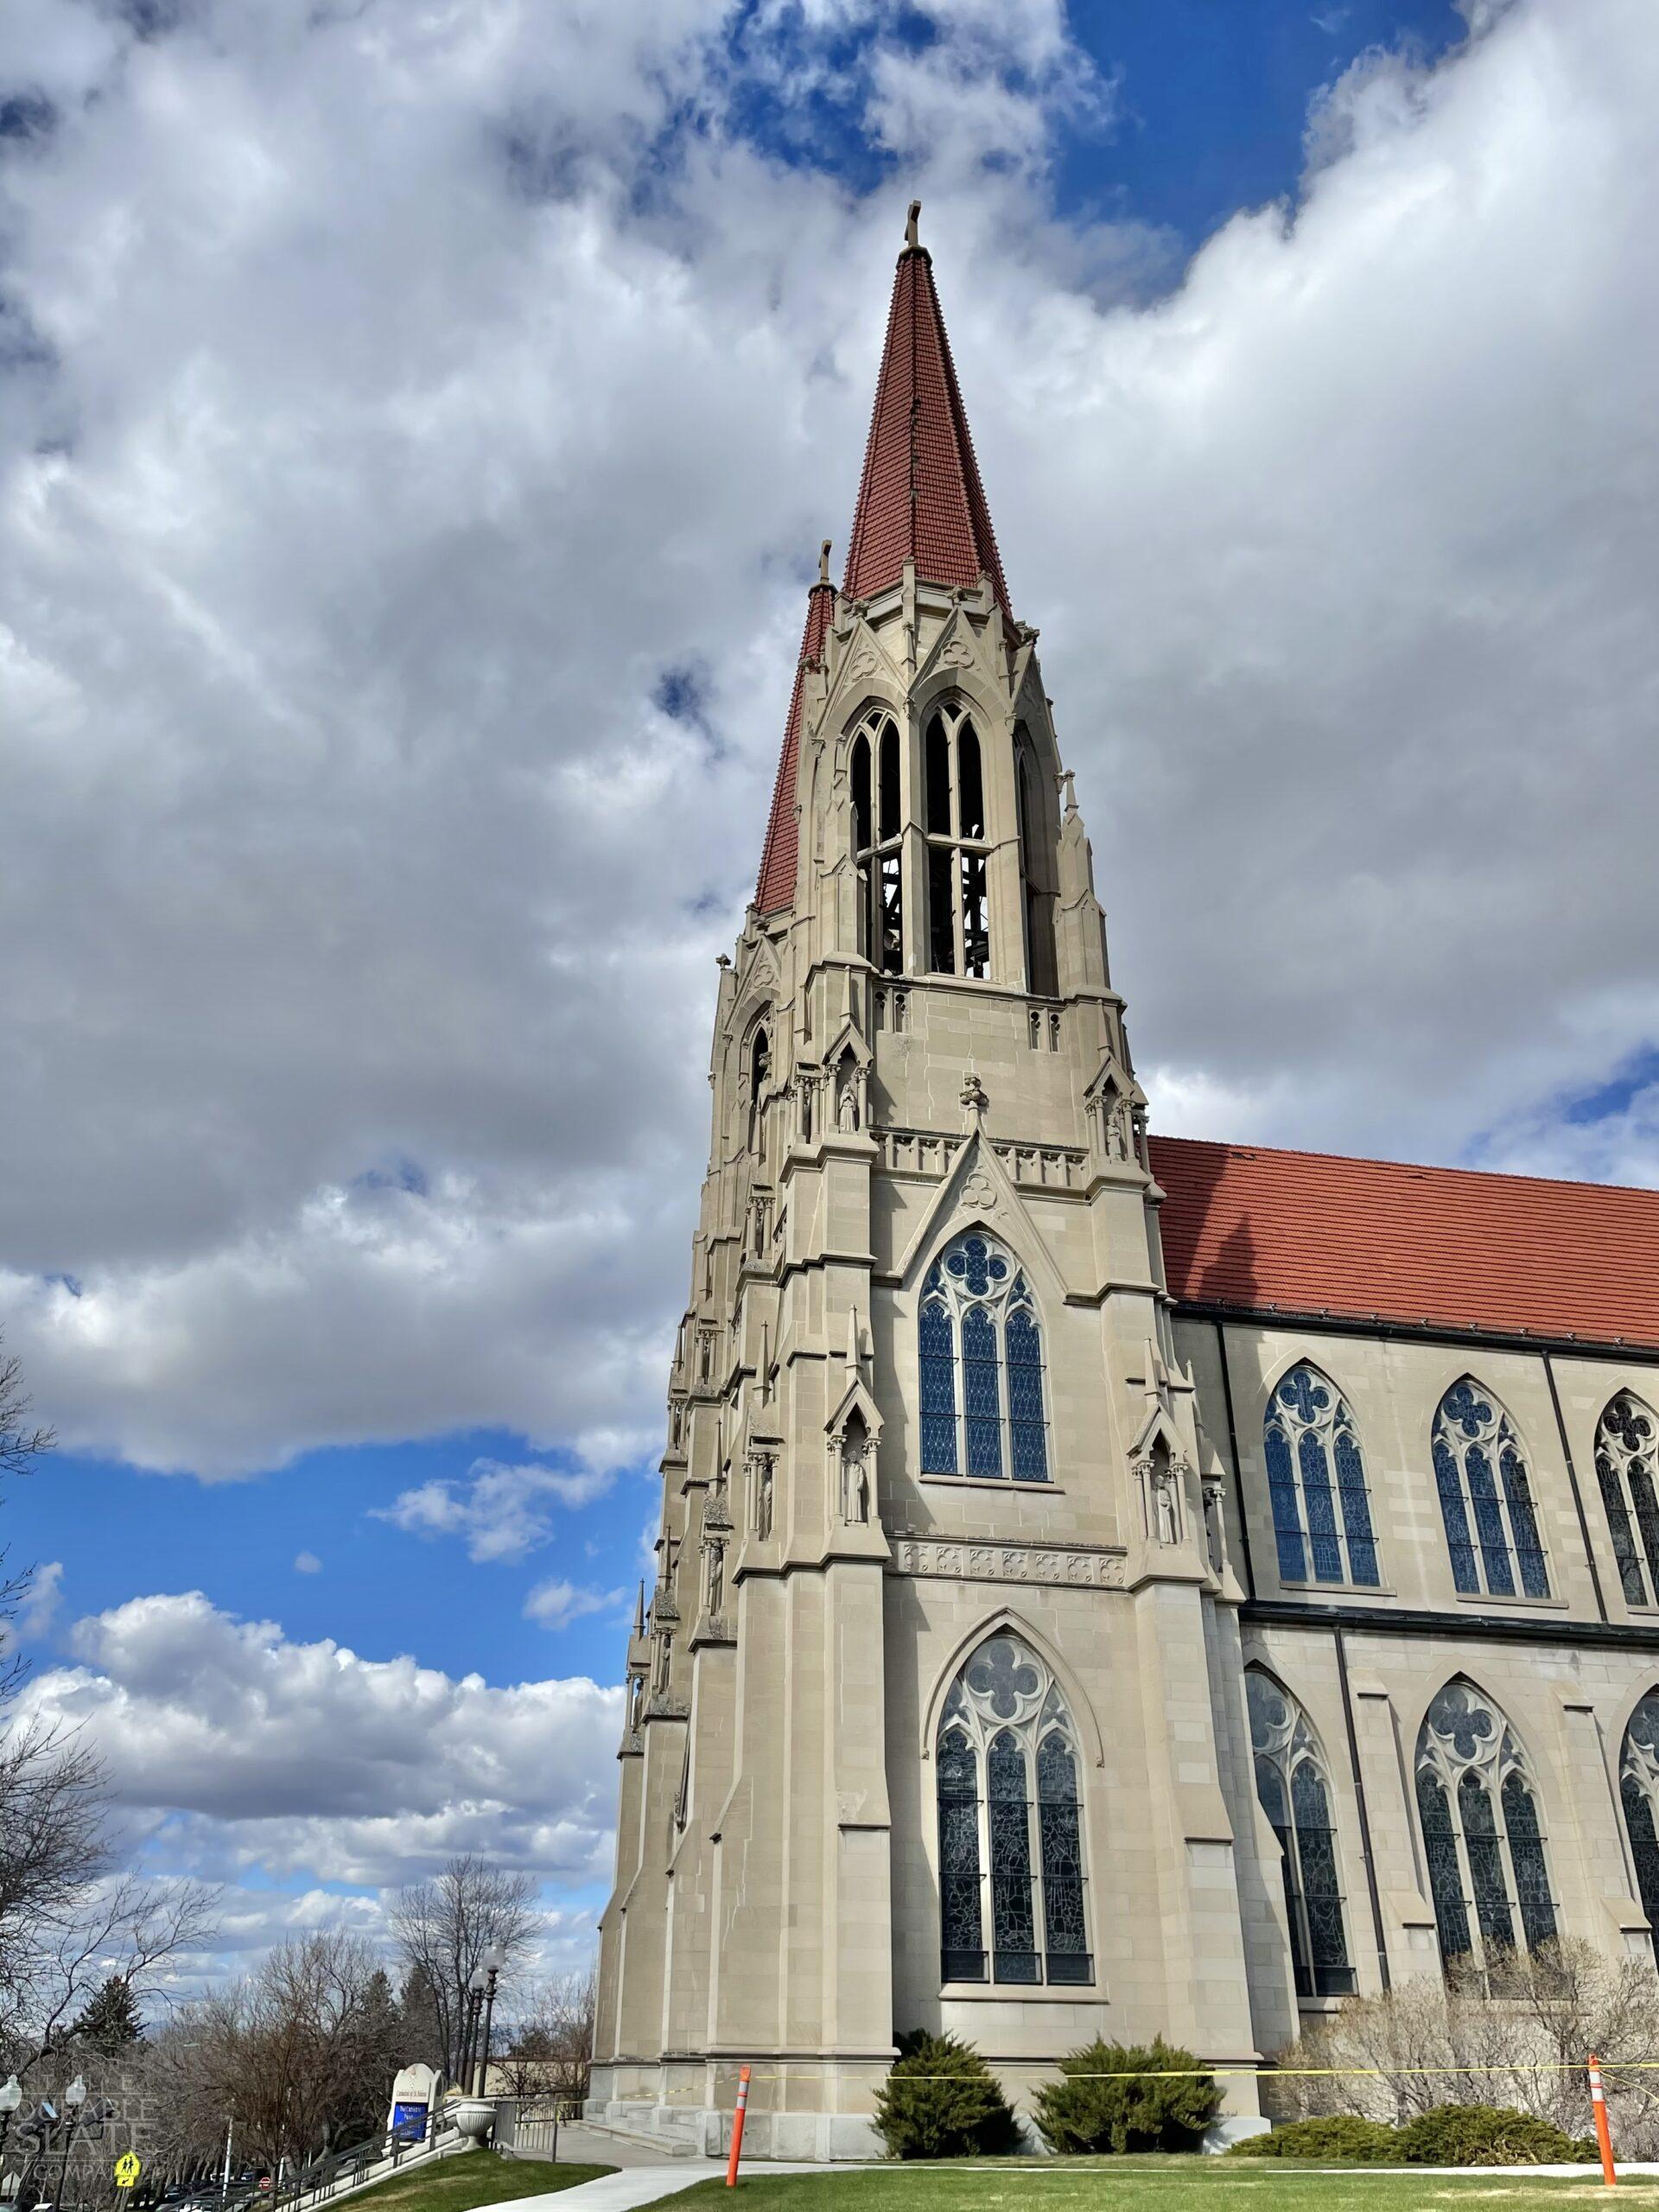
(388, 419)
(307, 1563)
(37, 1609)
(502, 1512)
(556, 1604)
(229, 1746)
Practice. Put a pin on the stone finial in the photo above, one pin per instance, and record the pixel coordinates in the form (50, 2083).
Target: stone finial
(824, 560)
(913, 227)
(1069, 786)
(975, 1097)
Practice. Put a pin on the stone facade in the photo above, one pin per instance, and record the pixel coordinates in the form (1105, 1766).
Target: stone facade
(920, 1070)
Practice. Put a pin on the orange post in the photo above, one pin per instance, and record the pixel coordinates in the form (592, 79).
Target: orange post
(1598, 2106)
(737, 2125)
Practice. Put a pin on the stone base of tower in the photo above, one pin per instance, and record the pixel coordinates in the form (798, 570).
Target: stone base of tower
(820, 2112)
(805, 2111)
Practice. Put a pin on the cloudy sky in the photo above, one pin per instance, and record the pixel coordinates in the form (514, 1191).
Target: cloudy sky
(416, 426)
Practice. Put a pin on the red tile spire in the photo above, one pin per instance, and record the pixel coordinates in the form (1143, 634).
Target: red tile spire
(921, 498)
(776, 885)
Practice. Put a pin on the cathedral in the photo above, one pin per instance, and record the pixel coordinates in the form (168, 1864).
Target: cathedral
(1107, 1584)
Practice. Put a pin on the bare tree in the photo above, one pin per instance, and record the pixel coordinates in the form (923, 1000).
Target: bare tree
(1516, 2034)
(68, 1921)
(550, 2044)
(443, 1928)
(299, 2058)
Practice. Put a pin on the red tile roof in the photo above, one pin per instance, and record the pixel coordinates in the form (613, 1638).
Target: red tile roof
(1308, 1233)
(778, 857)
(920, 498)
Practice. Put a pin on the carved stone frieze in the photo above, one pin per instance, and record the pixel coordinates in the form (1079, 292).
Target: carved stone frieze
(1062, 1567)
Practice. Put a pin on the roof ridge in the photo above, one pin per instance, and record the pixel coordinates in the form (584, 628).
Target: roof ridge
(1409, 1166)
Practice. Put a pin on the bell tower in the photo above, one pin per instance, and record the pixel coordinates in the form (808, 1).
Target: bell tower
(920, 1729)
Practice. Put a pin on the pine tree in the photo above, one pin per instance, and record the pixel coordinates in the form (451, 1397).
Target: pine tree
(110, 2023)
(1113, 2096)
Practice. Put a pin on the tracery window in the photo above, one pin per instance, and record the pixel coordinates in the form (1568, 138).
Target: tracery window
(877, 838)
(958, 846)
(980, 1346)
(1010, 1824)
(1316, 1481)
(1487, 1873)
(1638, 1791)
(1295, 1793)
(1486, 1501)
(1627, 1468)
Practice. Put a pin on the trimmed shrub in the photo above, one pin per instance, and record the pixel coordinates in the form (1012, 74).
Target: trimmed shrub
(1134, 2110)
(1488, 2135)
(1332, 2135)
(941, 2100)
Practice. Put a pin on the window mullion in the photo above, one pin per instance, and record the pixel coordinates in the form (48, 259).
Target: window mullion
(1034, 1856)
(1467, 1878)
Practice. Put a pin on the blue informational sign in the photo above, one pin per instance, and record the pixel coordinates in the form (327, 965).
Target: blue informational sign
(408, 2121)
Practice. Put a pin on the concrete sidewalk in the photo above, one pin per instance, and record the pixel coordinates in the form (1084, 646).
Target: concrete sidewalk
(634, 2185)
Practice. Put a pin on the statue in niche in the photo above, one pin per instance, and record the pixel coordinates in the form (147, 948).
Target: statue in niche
(761, 1477)
(664, 1656)
(635, 1701)
(856, 1478)
(847, 1103)
(716, 1577)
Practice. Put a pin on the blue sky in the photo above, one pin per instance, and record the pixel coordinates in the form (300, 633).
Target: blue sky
(408, 475)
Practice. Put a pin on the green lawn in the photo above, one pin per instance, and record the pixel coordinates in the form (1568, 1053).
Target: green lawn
(477, 2177)
(1145, 2184)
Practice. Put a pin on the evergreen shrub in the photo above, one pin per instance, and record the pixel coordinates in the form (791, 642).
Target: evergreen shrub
(1136, 2110)
(1488, 2135)
(941, 2100)
(1331, 2135)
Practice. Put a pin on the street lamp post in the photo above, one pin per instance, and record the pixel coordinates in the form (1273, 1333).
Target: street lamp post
(494, 1958)
(74, 2097)
(11, 2096)
(476, 1983)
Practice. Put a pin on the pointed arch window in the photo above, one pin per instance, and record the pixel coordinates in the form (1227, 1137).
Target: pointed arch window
(1638, 1793)
(1627, 1469)
(1486, 1493)
(1482, 1836)
(979, 1351)
(1042, 976)
(1316, 1482)
(958, 846)
(877, 842)
(1010, 1825)
(1293, 1787)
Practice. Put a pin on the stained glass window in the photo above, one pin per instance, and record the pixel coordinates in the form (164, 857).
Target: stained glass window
(1316, 1484)
(939, 1377)
(1005, 1717)
(1481, 1479)
(1638, 1791)
(1478, 1805)
(1291, 1784)
(975, 1298)
(961, 1935)
(1627, 1468)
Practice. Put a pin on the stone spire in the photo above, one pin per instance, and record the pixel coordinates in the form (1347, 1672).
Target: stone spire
(776, 887)
(920, 498)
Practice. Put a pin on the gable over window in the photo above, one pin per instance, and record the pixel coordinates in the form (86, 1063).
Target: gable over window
(1316, 1482)
(980, 1350)
(1010, 1824)
(1486, 1502)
